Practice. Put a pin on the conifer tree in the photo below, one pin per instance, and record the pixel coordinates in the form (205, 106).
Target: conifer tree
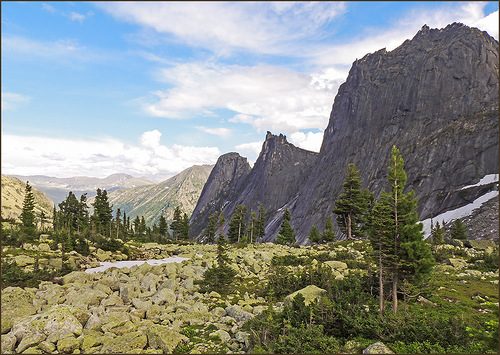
(458, 230)
(237, 225)
(410, 256)
(163, 227)
(286, 234)
(118, 218)
(219, 277)
(176, 224)
(185, 227)
(54, 219)
(437, 234)
(28, 212)
(103, 213)
(260, 224)
(142, 226)
(211, 229)
(137, 223)
(83, 213)
(314, 235)
(352, 205)
(328, 233)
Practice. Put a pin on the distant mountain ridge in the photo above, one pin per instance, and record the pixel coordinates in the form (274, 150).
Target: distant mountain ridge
(57, 188)
(13, 190)
(154, 200)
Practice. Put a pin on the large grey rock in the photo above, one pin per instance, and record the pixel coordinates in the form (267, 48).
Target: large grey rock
(16, 303)
(238, 313)
(128, 343)
(377, 348)
(161, 337)
(310, 293)
(424, 97)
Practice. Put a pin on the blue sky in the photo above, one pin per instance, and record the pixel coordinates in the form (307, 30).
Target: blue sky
(153, 88)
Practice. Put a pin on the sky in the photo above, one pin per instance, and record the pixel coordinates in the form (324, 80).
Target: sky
(150, 89)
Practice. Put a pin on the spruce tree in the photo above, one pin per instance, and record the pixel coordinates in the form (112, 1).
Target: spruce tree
(458, 230)
(260, 224)
(142, 226)
(83, 213)
(237, 227)
(410, 255)
(103, 213)
(328, 233)
(137, 223)
(352, 205)
(163, 227)
(219, 277)
(314, 235)
(211, 229)
(286, 234)
(118, 218)
(176, 224)
(28, 212)
(185, 227)
(437, 234)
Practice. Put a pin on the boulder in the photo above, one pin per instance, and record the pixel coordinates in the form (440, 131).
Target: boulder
(481, 244)
(24, 260)
(8, 343)
(141, 304)
(91, 339)
(161, 337)
(238, 313)
(222, 335)
(44, 247)
(67, 345)
(85, 297)
(102, 255)
(244, 338)
(129, 343)
(16, 303)
(457, 263)
(163, 296)
(336, 265)
(55, 263)
(310, 293)
(30, 340)
(46, 347)
(377, 348)
(77, 277)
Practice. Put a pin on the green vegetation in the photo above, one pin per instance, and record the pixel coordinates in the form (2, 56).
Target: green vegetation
(286, 235)
(220, 277)
(458, 230)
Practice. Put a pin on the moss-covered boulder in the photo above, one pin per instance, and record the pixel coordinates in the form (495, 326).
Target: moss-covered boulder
(24, 260)
(129, 343)
(378, 348)
(68, 345)
(16, 303)
(310, 293)
(8, 343)
(457, 263)
(161, 337)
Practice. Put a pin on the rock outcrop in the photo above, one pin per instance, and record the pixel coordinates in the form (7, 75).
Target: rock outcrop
(435, 97)
(274, 180)
(221, 187)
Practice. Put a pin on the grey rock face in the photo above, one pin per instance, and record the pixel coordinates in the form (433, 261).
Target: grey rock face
(221, 186)
(274, 180)
(436, 98)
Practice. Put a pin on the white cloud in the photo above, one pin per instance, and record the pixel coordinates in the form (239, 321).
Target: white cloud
(309, 140)
(267, 97)
(471, 14)
(252, 147)
(77, 17)
(48, 8)
(11, 100)
(224, 26)
(216, 131)
(63, 157)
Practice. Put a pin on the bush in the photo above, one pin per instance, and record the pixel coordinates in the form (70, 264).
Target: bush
(13, 275)
(306, 340)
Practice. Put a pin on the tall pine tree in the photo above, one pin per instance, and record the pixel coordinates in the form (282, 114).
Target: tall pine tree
(352, 205)
(28, 212)
(237, 227)
(286, 234)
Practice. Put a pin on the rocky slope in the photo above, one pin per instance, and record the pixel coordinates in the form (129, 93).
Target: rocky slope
(13, 197)
(279, 171)
(57, 188)
(152, 201)
(436, 98)
(222, 186)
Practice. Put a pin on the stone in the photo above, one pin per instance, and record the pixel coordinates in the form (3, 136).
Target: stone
(55, 263)
(238, 313)
(244, 338)
(336, 265)
(24, 260)
(141, 304)
(8, 342)
(161, 337)
(481, 244)
(457, 263)
(128, 343)
(311, 293)
(91, 339)
(164, 296)
(377, 348)
(30, 340)
(222, 335)
(102, 255)
(77, 277)
(33, 350)
(44, 247)
(47, 347)
(16, 303)
(188, 284)
(67, 345)
(85, 297)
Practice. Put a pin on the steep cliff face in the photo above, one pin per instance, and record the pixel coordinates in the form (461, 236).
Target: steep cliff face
(436, 98)
(274, 180)
(221, 187)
